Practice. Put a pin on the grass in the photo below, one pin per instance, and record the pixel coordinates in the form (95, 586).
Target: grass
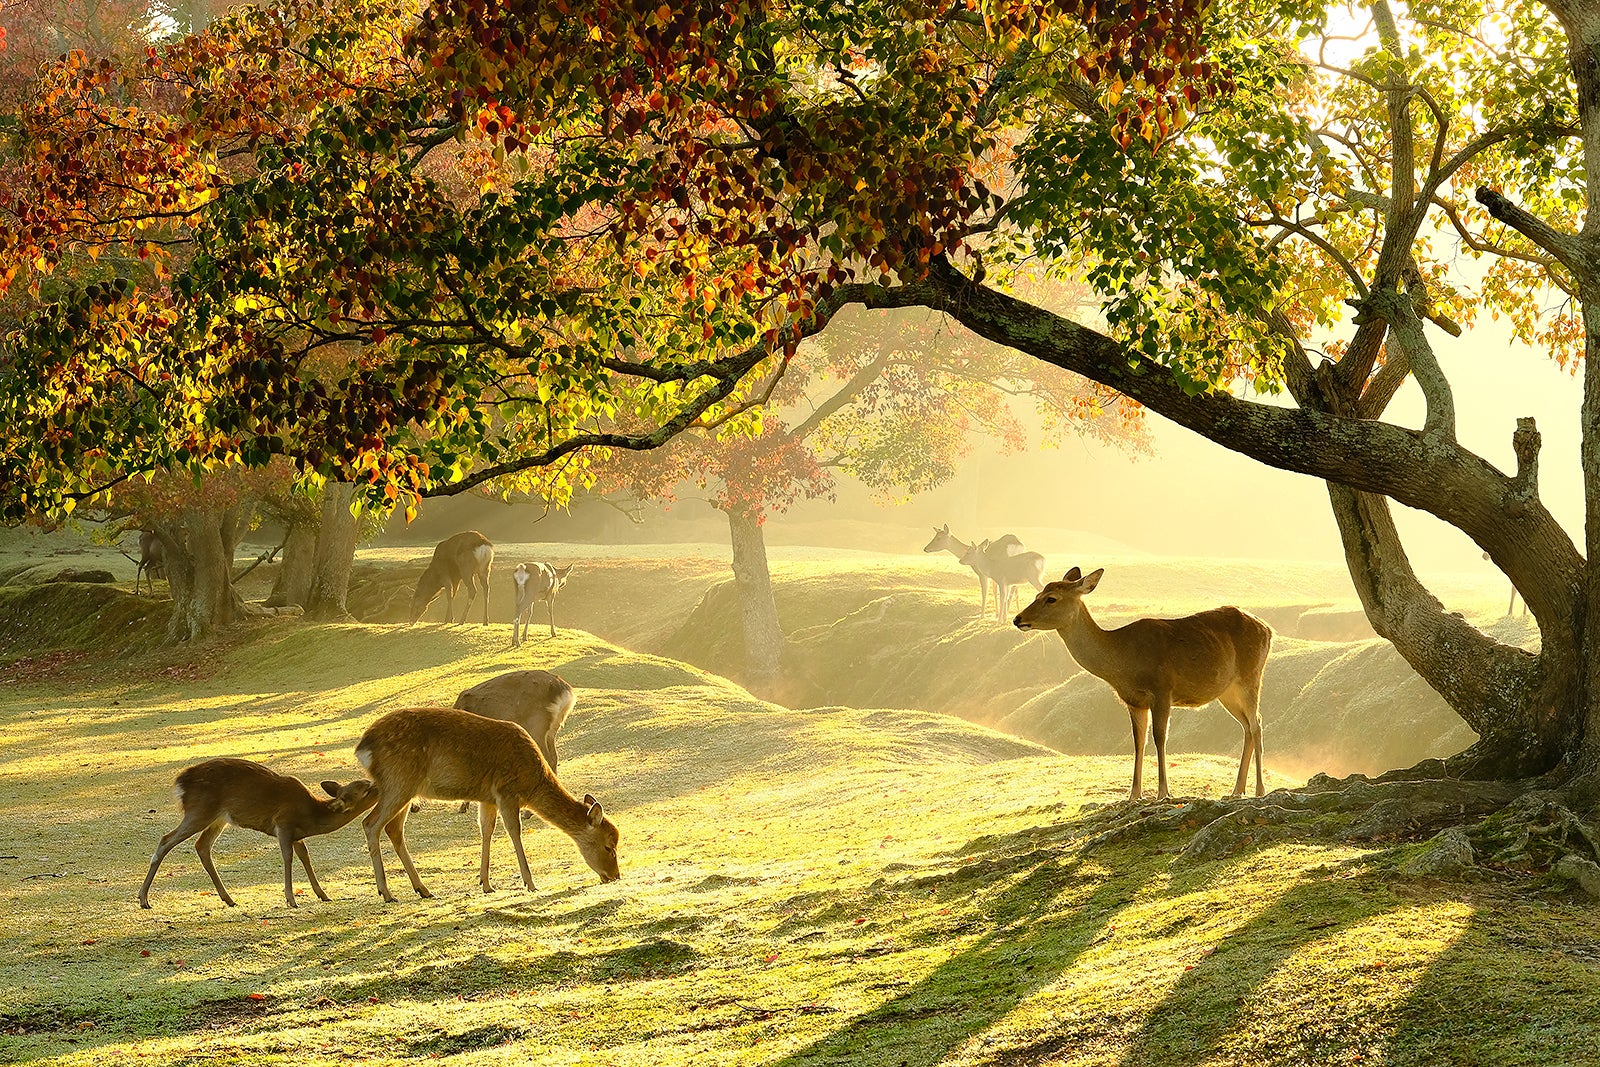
(827, 886)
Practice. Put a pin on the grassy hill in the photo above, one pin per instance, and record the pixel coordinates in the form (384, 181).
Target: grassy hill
(829, 886)
(872, 630)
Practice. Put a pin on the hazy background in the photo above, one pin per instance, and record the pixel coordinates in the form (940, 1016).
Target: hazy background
(1188, 497)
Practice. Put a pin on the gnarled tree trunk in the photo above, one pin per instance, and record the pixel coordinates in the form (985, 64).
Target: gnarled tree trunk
(293, 584)
(199, 545)
(335, 553)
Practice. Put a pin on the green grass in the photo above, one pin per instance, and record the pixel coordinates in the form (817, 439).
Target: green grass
(876, 887)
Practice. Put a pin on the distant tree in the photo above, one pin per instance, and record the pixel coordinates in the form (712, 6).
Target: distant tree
(894, 405)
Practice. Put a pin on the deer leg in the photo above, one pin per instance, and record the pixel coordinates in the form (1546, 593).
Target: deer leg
(1002, 597)
(983, 596)
(202, 848)
(286, 846)
(375, 821)
(396, 830)
(486, 814)
(514, 831)
(185, 829)
(551, 604)
(1141, 728)
(1241, 704)
(1160, 715)
(548, 748)
(311, 875)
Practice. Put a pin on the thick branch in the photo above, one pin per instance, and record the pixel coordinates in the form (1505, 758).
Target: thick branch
(1567, 248)
(1433, 475)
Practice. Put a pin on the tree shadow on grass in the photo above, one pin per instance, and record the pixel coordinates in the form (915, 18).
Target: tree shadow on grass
(1217, 992)
(1044, 920)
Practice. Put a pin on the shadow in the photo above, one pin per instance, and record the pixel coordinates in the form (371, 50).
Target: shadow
(1214, 994)
(1519, 984)
(1044, 920)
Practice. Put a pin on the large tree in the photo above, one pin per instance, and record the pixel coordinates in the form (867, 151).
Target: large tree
(689, 190)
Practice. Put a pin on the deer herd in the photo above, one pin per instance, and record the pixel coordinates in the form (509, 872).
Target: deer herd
(497, 745)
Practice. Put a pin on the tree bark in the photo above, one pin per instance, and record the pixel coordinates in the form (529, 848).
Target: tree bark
(293, 584)
(199, 546)
(758, 613)
(335, 553)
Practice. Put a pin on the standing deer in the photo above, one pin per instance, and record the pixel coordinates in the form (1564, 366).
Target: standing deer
(238, 791)
(1156, 664)
(1004, 545)
(1006, 572)
(456, 755)
(152, 561)
(537, 701)
(463, 557)
(535, 582)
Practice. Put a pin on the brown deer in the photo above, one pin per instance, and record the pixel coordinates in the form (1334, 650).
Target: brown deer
(463, 557)
(945, 541)
(535, 582)
(238, 791)
(537, 701)
(1007, 572)
(152, 561)
(1156, 664)
(456, 755)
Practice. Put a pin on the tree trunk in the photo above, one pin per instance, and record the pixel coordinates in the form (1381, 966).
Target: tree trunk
(335, 553)
(758, 613)
(293, 584)
(199, 546)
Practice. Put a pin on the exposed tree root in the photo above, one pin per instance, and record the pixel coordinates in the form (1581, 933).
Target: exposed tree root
(1499, 825)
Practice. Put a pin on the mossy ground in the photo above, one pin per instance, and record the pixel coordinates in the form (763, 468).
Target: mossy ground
(876, 887)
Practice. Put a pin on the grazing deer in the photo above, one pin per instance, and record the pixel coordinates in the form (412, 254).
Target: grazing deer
(463, 557)
(1006, 572)
(222, 791)
(535, 582)
(152, 561)
(456, 755)
(537, 701)
(1156, 664)
(1004, 545)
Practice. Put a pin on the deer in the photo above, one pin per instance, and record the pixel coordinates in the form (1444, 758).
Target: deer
(1156, 664)
(152, 561)
(537, 701)
(944, 541)
(1007, 572)
(449, 754)
(244, 793)
(463, 557)
(534, 582)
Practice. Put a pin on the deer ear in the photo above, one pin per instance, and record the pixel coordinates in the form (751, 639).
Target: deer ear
(1091, 580)
(1071, 576)
(597, 815)
(589, 801)
(331, 788)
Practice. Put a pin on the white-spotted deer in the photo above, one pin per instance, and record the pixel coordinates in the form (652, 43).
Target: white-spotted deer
(537, 701)
(1004, 545)
(535, 582)
(152, 561)
(1158, 664)
(238, 791)
(1007, 572)
(463, 557)
(455, 755)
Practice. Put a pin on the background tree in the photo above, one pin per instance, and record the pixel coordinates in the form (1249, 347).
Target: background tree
(893, 404)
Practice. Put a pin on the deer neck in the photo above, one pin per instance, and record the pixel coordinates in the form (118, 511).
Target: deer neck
(1092, 647)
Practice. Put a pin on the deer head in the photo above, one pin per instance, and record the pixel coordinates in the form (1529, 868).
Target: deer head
(941, 539)
(358, 796)
(598, 843)
(1058, 602)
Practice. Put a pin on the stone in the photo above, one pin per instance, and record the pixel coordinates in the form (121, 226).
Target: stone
(1447, 852)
